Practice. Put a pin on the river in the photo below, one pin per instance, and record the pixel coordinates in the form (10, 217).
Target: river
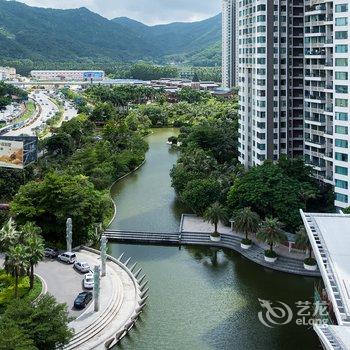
(199, 298)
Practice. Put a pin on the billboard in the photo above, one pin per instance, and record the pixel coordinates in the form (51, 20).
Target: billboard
(11, 154)
(98, 75)
(17, 152)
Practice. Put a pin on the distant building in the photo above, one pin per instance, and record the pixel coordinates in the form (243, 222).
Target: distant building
(68, 75)
(174, 83)
(7, 73)
(229, 45)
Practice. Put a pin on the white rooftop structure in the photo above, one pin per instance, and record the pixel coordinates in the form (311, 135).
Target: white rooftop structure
(329, 235)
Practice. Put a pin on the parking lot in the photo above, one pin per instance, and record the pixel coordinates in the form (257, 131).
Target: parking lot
(65, 281)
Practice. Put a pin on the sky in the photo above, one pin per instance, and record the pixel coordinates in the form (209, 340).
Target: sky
(147, 11)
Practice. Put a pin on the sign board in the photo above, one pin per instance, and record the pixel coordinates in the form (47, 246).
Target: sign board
(11, 154)
(93, 75)
(17, 152)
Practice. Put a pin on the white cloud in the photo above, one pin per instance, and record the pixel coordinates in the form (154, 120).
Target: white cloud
(146, 11)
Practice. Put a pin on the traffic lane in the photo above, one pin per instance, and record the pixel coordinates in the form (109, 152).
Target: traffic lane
(47, 107)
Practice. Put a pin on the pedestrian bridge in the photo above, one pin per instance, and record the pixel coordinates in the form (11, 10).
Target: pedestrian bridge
(228, 241)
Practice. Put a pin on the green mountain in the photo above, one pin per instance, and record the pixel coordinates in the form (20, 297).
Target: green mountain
(57, 35)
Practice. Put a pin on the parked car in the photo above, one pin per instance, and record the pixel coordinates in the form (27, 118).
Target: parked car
(88, 281)
(68, 257)
(51, 253)
(82, 300)
(82, 266)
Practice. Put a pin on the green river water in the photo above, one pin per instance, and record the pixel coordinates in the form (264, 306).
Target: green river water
(199, 298)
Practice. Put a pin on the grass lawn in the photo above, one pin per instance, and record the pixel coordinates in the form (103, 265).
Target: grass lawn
(28, 113)
(7, 289)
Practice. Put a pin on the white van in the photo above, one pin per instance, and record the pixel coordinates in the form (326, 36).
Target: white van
(68, 257)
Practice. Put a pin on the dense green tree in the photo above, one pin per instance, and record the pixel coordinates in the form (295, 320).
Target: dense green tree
(270, 232)
(44, 321)
(155, 113)
(219, 139)
(146, 71)
(78, 128)
(271, 189)
(191, 95)
(51, 201)
(60, 143)
(201, 193)
(103, 112)
(213, 214)
(11, 180)
(13, 337)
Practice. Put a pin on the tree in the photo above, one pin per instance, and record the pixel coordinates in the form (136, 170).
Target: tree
(8, 235)
(44, 321)
(269, 189)
(103, 112)
(14, 337)
(215, 213)
(16, 263)
(246, 221)
(51, 201)
(192, 95)
(200, 194)
(271, 232)
(60, 143)
(34, 246)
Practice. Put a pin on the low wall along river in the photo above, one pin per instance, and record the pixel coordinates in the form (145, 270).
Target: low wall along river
(200, 298)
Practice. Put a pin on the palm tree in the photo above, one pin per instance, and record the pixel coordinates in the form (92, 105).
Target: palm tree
(34, 246)
(16, 263)
(246, 221)
(302, 239)
(215, 213)
(271, 232)
(30, 229)
(8, 235)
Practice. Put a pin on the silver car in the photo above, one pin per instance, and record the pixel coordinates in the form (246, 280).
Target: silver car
(88, 281)
(82, 266)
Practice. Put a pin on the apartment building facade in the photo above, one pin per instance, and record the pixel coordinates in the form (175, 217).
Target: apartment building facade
(270, 79)
(292, 60)
(327, 138)
(229, 45)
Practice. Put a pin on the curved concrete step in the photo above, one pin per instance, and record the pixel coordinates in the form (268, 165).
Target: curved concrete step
(100, 323)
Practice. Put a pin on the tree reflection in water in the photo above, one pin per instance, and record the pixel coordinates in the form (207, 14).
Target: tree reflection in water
(208, 256)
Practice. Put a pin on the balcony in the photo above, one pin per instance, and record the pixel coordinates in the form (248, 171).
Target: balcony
(315, 142)
(320, 120)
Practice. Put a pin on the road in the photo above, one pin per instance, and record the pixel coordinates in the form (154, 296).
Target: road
(48, 110)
